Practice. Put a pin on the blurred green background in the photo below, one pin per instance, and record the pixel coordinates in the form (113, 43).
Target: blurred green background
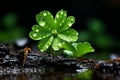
(97, 21)
(10, 29)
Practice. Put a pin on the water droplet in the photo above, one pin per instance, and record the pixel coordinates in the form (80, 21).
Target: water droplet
(63, 21)
(57, 16)
(81, 70)
(92, 50)
(72, 19)
(59, 44)
(67, 40)
(60, 24)
(37, 30)
(65, 15)
(42, 23)
(44, 13)
(34, 34)
(76, 33)
(41, 50)
(61, 12)
(63, 43)
(46, 47)
(69, 24)
(55, 21)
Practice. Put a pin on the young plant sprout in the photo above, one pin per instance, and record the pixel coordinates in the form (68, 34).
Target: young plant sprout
(78, 49)
(56, 33)
(53, 31)
(25, 54)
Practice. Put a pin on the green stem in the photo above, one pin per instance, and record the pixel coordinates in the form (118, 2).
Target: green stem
(53, 53)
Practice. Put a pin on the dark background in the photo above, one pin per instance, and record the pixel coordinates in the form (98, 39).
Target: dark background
(106, 10)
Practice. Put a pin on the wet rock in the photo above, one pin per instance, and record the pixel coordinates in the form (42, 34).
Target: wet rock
(42, 62)
(3, 51)
(109, 66)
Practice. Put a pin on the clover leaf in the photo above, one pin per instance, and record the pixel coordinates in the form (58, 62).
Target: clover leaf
(53, 31)
(78, 49)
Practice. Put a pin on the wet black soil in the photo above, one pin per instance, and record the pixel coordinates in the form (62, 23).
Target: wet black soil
(24, 64)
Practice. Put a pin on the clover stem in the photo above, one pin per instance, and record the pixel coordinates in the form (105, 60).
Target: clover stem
(53, 53)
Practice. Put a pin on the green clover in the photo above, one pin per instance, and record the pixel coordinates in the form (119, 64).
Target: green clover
(53, 31)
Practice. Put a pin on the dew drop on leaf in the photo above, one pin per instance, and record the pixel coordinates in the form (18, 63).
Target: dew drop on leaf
(55, 21)
(46, 47)
(60, 24)
(69, 24)
(41, 50)
(61, 12)
(42, 23)
(93, 50)
(37, 30)
(65, 15)
(44, 13)
(71, 20)
(57, 16)
(34, 34)
(63, 21)
(59, 44)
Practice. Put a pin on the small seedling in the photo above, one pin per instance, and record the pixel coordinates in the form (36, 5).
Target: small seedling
(25, 54)
(56, 33)
(78, 49)
(53, 31)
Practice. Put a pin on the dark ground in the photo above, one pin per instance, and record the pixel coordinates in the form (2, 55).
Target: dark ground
(45, 67)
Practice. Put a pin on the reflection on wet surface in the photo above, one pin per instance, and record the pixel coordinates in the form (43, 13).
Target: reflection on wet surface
(60, 75)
